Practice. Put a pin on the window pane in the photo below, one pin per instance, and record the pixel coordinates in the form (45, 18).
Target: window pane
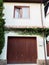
(21, 12)
(25, 12)
(17, 13)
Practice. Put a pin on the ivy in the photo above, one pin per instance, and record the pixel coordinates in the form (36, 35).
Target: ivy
(30, 31)
(1, 27)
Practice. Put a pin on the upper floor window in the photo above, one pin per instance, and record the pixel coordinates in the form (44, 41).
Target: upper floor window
(21, 12)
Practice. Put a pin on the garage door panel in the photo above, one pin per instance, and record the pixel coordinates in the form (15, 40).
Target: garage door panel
(21, 50)
(48, 49)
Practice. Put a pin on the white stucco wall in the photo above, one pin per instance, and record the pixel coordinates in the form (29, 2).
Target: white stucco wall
(40, 47)
(33, 21)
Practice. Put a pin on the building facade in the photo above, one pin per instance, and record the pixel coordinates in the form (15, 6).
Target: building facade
(24, 48)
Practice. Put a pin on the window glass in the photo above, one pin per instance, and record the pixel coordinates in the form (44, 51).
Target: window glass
(21, 12)
(17, 11)
(25, 12)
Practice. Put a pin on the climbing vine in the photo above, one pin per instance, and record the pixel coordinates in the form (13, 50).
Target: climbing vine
(1, 27)
(30, 31)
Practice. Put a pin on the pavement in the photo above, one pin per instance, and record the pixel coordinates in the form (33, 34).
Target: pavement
(21, 64)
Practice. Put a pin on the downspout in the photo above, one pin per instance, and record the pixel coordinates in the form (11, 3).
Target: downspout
(43, 34)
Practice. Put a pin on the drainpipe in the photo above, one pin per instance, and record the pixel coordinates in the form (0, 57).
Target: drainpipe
(43, 33)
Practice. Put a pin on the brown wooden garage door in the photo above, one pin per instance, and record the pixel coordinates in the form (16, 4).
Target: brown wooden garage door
(47, 48)
(21, 50)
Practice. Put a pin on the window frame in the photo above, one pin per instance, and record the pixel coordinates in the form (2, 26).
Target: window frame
(20, 7)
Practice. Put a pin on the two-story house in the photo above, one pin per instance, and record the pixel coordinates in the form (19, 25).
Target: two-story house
(20, 46)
